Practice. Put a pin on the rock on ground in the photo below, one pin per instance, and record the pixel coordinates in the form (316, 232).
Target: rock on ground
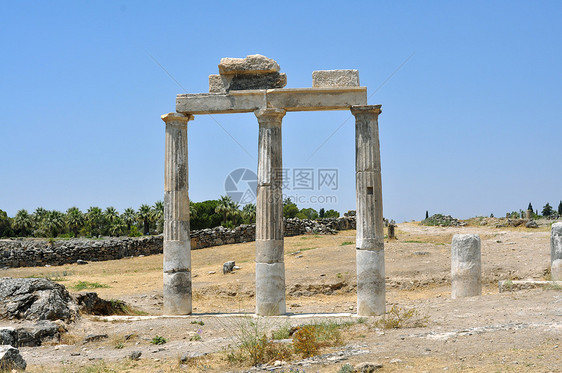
(35, 299)
(92, 304)
(367, 367)
(10, 358)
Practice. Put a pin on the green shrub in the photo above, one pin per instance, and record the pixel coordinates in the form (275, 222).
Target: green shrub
(158, 340)
(82, 285)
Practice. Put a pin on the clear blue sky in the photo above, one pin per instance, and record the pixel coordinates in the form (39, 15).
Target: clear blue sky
(470, 124)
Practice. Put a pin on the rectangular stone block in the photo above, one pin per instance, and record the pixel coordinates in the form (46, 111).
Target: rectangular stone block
(217, 84)
(335, 78)
(310, 99)
(211, 103)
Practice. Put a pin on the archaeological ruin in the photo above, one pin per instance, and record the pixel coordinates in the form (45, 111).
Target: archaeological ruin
(254, 84)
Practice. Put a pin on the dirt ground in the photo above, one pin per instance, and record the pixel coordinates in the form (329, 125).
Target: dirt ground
(496, 332)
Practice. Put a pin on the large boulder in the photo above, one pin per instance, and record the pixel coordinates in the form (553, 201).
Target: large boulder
(10, 358)
(33, 336)
(35, 299)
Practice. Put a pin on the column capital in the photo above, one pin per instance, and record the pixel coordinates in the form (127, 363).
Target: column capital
(361, 109)
(268, 114)
(176, 118)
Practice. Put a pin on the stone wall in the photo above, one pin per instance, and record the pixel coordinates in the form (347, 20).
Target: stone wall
(40, 252)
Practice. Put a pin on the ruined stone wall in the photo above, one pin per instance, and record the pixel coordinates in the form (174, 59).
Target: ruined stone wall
(40, 252)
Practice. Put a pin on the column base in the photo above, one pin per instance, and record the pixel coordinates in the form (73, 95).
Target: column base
(270, 289)
(177, 293)
(371, 291)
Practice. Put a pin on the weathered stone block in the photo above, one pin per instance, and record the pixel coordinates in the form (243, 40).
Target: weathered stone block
(257, 81)
(226, 83)
(309, 99)
(335, 78)
(218, 83)
(212, 103)
(252, 64)
(466, 266)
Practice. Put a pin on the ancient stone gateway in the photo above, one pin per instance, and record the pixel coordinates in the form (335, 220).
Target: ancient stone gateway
(254, 84)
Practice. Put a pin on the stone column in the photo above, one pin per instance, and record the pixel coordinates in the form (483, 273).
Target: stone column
(466, 266)
(370, 225)
(270, 266)
(556, 252)
(177, 250)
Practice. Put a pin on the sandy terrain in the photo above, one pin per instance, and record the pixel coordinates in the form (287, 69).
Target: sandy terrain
(515, 331)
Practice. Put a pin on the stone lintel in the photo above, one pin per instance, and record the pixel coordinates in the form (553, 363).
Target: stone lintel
(289, 99)
(313, 99)
(216, 103)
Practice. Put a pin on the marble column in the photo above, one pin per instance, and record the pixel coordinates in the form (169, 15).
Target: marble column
(370, 225)
(556, 252)
(270, 266)
(177, 245)
(466, 266)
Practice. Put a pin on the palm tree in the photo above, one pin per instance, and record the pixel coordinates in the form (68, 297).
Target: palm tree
(111, 214)
(23, 222)
(39, 215)
(74, 220)
(145, 215)
(158, 215)
(129, 217)
(249, 213)
(94, 217)
(54, 222)
(117, 227)
(224, 207)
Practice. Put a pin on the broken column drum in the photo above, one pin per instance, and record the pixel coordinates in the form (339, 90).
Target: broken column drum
(466, 266)
(556, 252)
(255, 84)
(177, 251)
(370, 225)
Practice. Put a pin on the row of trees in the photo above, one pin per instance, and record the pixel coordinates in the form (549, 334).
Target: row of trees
(547, 212)
(146, 220)
(92, 223)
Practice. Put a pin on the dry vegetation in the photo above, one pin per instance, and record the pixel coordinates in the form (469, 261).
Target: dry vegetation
(423, 329)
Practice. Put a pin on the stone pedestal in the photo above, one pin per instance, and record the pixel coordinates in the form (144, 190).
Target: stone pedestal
(177, 251)
(466, 266)
(370, 226)
(270, 266)
(556, 252)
